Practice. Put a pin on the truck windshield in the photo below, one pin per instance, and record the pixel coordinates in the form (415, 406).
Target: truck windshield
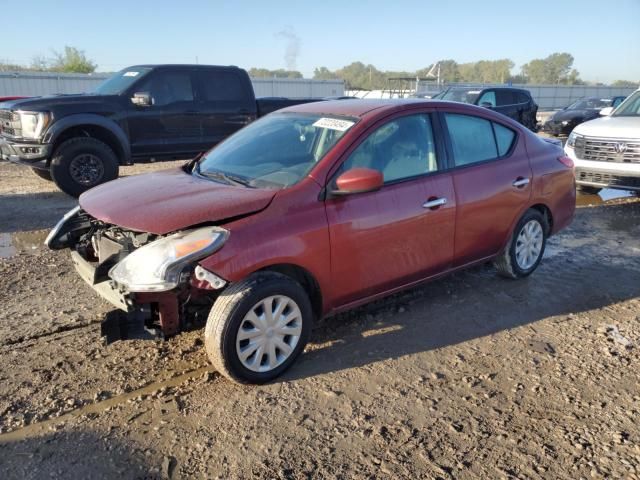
(630, 107)
(274, 152)
(122, 80)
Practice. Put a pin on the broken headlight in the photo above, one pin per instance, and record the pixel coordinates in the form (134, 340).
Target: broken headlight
(156, 267)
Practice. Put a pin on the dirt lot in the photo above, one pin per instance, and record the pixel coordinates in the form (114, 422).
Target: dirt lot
(472, 376)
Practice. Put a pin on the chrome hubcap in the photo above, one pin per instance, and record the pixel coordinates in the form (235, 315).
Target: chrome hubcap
(269, 333)
(86, 169)
(529, 244)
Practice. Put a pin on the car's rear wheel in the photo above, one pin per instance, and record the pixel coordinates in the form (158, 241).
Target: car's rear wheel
(526, 246)
(82, 163)
(589, 190)
(44, 174)
(258, 327)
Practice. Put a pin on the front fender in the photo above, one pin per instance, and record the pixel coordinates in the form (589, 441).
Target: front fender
(94, 120)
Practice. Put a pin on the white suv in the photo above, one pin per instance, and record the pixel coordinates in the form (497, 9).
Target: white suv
(606, 151)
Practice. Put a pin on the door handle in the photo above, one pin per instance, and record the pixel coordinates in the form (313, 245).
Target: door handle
(520, 182)
(434, 203)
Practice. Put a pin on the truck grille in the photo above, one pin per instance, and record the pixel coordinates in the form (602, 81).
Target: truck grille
(608, 150)
(10, 124)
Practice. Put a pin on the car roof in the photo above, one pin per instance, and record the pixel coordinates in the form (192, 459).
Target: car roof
(180, 65)
(360, 108)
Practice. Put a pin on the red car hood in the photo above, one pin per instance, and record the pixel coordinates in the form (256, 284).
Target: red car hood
(170, 200)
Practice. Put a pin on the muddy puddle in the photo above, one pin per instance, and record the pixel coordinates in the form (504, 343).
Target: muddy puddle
(21, 243)
(605, 195)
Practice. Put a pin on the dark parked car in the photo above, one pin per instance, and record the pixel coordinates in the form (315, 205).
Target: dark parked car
(588, 108)
(143, 112)
(515, 103)
(314, 210)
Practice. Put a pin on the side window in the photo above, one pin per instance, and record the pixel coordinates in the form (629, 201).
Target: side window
(167, 87)
(523, 97)
(218, 86)
(505, 97)
(472, 139)
(504, 138)
(401, 148)
(617, 101)
(487, 97)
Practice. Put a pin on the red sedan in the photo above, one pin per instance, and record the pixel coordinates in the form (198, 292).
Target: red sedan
(312, 210)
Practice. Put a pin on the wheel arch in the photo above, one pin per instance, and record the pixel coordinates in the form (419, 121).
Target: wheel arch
(546, 213)
(305, 278)
(94, 126)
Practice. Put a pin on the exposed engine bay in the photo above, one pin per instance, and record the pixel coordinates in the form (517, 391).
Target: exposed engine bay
(97, 247)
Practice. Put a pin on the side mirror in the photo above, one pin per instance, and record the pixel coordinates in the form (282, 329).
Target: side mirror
(358, 180)
(606, 111)
(486, 104)
(141, 99)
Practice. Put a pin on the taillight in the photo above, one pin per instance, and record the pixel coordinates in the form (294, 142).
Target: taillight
(566, 161)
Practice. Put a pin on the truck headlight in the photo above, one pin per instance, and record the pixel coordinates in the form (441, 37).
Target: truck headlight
(156, 267)
(573, 139)
(33, 124)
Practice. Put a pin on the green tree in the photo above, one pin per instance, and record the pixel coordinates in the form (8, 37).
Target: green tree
(449, 71)
(279, 73)
(359, 75)
(625, 83)
(71, 60)
(323, 73)
(556, 68)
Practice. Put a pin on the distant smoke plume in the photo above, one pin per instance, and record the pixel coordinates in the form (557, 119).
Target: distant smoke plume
(292, 49)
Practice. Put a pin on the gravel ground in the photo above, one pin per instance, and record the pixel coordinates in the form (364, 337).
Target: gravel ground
(472, 376)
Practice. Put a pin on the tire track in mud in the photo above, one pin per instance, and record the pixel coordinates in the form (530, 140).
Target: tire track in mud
(17, 342)
(39, 428)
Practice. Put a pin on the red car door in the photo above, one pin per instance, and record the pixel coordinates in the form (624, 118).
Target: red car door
(404, 231)
(492, 179)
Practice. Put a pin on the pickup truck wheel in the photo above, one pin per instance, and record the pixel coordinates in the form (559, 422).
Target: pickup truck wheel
(82, 163)
(258, 327)
(526, 247)
(589, 190)
(44, 174)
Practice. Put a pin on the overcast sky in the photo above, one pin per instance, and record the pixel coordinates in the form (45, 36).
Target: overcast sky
(604, 37)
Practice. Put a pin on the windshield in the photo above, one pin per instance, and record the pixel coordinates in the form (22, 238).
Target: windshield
(274, 152)
(122, 80)
(590, 104)
(463, 95)
(630, 107)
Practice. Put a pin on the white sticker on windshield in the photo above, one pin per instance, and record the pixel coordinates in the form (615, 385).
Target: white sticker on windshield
(131, 74)
(333, 124)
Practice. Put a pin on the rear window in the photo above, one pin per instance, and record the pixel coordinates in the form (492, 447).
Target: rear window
(220, 86)
(475, 139)
(505, 97)
(471, 138)
(504, 138)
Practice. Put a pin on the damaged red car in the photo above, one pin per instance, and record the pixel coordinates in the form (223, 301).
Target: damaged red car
(313, 210)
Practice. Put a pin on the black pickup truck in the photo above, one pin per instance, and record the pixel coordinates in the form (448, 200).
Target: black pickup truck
(142, 113)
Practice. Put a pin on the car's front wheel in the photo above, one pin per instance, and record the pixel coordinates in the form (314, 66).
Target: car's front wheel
(258, 327)
(526, 246)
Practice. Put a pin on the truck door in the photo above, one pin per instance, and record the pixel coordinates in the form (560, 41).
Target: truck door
(170, 125)
(226, 103)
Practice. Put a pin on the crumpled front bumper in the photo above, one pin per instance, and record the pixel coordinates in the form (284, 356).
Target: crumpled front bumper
(136, 311)
(33, 155)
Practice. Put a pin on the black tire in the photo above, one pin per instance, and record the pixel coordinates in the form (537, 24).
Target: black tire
(507, 264)
(88, 153)
(227, 316)
(43, 174)
(589, 190)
